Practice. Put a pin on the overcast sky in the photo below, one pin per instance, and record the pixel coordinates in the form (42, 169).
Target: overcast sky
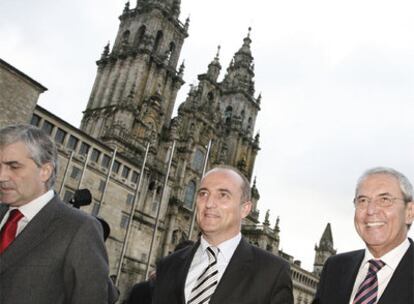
(336, 79)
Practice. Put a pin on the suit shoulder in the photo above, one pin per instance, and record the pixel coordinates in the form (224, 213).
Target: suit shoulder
(73, 216)
(177, 255)
(266, 256)
(346, 255)
(70, 212)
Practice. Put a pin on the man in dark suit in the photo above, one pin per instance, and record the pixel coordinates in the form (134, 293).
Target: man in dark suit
(383, 273)
(50, 253)
(222, 267)
(141, 293)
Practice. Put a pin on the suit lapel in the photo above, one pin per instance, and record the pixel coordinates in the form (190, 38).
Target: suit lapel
(3, 210)
(399, 289)
(348, 275)
(182, 270)
(237, 268)
(38, 229)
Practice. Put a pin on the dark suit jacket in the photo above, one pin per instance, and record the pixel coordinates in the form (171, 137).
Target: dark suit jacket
(58, 258)
(253, 276)
(141, 293)
(340, 271)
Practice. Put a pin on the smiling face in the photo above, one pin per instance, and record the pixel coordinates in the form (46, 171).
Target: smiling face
(21, 179)
(219, 206)
(382, 228)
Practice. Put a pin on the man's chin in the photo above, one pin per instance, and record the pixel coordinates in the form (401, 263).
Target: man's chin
(208, 228)
(8, 200)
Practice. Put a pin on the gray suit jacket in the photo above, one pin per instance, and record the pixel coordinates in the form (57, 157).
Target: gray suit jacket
(253, 276)
(59, 258)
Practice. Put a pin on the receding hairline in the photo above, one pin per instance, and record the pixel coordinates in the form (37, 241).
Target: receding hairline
(225, 170)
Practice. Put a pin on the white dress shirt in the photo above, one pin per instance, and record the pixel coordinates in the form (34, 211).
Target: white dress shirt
(200, 261)
(29, 210)
(391, 260)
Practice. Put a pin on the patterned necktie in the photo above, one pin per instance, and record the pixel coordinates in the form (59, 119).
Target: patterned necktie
(367, 291)
(8, 232)
(207, 281)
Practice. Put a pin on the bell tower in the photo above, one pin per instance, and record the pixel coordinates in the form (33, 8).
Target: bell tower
(223, 114)
(137, 81)
(324, 250)
(239, 108)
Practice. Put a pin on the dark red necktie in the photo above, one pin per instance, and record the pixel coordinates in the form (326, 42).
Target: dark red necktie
(8, 232)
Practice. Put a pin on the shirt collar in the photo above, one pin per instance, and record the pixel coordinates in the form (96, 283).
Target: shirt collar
(391, 258)
(226, 248)
(30, 209)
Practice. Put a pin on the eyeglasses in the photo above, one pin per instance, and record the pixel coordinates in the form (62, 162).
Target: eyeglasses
(381, 201)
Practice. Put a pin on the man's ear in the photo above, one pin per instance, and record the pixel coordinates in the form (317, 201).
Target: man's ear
(46, 171)
(246, 207)
(409, 213)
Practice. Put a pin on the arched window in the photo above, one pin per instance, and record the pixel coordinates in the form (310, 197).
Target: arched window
(189, 195)
(158, 41)
(125, 35)
(249, 123)
(210, 97)
(242, 115)
(192, 128)
(227, 114)
(198, 160)
(171, 51)
(139, 36)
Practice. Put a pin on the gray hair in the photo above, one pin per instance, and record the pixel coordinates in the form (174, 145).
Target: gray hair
(405, 185)
(245, 186)
(41, 148)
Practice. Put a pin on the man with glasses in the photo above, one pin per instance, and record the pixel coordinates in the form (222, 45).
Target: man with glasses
(384, 272)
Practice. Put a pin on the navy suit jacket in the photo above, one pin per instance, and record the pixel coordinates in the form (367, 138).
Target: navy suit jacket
(340, 271)
(253, 276)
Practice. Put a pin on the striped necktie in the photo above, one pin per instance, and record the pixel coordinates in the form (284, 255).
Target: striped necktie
(207, 281)
(367, 291)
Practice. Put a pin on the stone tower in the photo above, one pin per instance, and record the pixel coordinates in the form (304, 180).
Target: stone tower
(223, 113)
(131, 105)
(136, 85)
(324, 250)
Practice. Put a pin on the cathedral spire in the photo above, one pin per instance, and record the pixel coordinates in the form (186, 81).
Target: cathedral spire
(246, 44)
(326, 242)
(217, 54)
(214, 67)
(126, 7)
(277, 228)
(266, 221)
(105, 52)
(324, 250)
(240, 72)
(244, 54)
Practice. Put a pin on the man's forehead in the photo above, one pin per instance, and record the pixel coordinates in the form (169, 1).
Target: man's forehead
(379, 181)
(14, 150)
(222, 176)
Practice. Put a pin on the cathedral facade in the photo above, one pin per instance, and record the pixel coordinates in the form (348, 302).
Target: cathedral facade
(142, 165)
